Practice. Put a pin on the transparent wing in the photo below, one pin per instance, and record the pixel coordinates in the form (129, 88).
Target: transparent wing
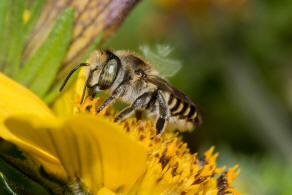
(159, 58)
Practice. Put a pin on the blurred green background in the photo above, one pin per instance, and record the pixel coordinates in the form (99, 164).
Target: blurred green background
(236, 58)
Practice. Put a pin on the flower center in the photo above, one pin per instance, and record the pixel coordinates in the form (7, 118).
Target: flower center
(171, 168)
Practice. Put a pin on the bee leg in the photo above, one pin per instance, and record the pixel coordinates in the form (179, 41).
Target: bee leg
(139, 102)
(139, 114)
(115, 94)
(152, 102)
(91, 93)
(107, 102)
(161, 121)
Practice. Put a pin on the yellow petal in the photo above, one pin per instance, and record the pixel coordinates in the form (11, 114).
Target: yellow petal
(16, 99)
(25, 16)
(92, 148)
(105, 191)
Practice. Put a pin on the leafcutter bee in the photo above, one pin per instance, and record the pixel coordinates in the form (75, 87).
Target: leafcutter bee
(129, 77)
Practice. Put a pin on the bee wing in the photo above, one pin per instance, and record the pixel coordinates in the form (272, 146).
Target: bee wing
(167, 87)
(166, 66)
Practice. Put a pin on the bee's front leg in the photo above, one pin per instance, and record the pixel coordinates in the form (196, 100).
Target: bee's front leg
(117, 92)
(91, 92)
(139, 102)
(161, 121)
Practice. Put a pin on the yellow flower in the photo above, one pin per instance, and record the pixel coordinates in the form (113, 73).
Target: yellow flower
(79, 151)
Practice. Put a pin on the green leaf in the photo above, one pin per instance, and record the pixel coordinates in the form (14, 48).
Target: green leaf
(16, 181)
(4, 7)
(40, 70)
(54, 92)
(4, 187)
(35, 10)
(14, 33)
(15, 37)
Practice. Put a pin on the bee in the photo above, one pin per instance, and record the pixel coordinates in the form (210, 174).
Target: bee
(130, 78)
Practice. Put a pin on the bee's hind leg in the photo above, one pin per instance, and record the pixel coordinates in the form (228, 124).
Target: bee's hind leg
(139, 102)
(161, 121)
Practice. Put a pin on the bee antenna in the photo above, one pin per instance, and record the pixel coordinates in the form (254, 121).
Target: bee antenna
(70, 74)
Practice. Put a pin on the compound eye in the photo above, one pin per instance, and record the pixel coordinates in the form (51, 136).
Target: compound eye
(108, 74)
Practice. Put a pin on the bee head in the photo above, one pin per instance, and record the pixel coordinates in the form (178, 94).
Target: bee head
(104, 68)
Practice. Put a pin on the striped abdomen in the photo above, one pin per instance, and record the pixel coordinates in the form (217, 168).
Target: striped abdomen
(182, 109)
